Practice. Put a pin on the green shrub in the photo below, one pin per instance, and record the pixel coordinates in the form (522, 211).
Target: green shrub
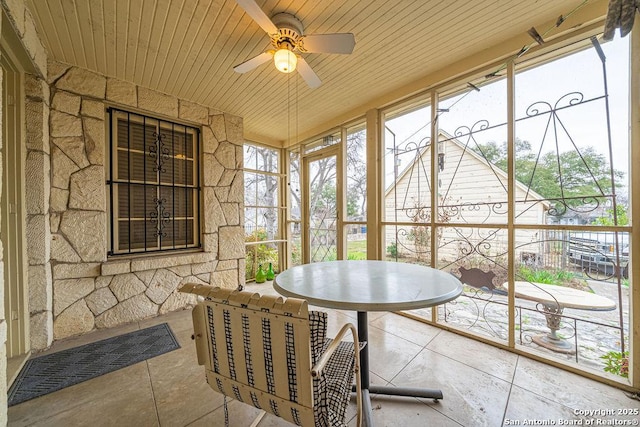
(392, 250)
(356, 256)
(296, 255)
(259, 253)
(616, 363)
(550, 277)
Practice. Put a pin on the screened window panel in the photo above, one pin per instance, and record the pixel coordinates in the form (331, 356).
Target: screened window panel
(260, 158)
(294, 186)
(356, 174)
(262, 221)
(250, 189)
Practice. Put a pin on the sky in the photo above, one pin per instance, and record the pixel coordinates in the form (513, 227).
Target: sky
(585, 124)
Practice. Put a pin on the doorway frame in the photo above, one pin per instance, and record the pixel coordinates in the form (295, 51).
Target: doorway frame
(333, 150)
(15, 63)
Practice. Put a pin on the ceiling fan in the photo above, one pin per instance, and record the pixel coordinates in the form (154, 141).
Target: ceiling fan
(288, 39)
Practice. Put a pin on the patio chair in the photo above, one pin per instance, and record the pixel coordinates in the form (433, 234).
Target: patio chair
(272, 353)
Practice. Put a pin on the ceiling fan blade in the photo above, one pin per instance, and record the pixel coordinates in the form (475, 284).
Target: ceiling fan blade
(328, 43)
(309, 76)
(258, 15)
(252, 63)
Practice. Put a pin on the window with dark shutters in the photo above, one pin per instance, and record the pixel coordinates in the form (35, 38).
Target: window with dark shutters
(153, 184)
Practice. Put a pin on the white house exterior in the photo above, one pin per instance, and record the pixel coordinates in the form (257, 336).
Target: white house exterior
(471, 192)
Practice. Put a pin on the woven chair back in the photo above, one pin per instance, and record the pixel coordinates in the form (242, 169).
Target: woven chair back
(256, 349)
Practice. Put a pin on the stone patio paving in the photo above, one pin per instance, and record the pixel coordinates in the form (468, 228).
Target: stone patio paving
(595, 332)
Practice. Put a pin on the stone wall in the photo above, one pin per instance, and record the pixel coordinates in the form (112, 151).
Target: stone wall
(37, 185)
(72, 286)
(89, 290)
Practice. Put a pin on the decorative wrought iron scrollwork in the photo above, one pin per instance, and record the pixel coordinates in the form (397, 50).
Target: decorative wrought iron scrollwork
(486, 312)
(481, 311)
(555, 125)
(159, 152)
(160, 216)
(587, 204)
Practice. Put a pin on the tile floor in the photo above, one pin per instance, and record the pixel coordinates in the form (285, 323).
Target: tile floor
(482, 385)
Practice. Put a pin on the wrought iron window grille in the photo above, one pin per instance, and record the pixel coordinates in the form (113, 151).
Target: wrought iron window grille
(153, 184)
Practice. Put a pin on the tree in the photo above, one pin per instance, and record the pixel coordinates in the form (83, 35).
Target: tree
(574, 177)
(608, 219)
(497, 154)
(325, 200)
(357, 174)
(325, 172)
(322, 185)
(263, 187)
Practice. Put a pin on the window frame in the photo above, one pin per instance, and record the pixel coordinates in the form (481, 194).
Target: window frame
(278, 239)
(450, 89)
(456, 82)
(192, 187)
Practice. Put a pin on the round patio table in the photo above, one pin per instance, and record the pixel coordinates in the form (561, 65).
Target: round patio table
(554, 299)
(365, 286)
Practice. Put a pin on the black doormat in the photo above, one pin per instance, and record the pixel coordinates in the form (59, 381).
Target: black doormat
(46, 374)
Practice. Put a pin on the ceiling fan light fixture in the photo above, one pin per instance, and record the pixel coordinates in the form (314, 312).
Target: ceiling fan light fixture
(285, 60)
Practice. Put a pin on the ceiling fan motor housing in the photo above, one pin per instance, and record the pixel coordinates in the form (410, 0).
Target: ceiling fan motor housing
(290, 30)
(287, 37)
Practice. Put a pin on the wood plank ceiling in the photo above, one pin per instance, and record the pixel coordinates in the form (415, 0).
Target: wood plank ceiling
(187, 48)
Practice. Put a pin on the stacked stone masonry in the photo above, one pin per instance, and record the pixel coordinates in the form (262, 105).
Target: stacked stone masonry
(89, 290)
(38, 192)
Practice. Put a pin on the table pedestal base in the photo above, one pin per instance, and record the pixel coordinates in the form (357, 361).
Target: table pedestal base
(552, 341)
(426, 393)
(368, 389)
(367, 410)
(557, 344)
